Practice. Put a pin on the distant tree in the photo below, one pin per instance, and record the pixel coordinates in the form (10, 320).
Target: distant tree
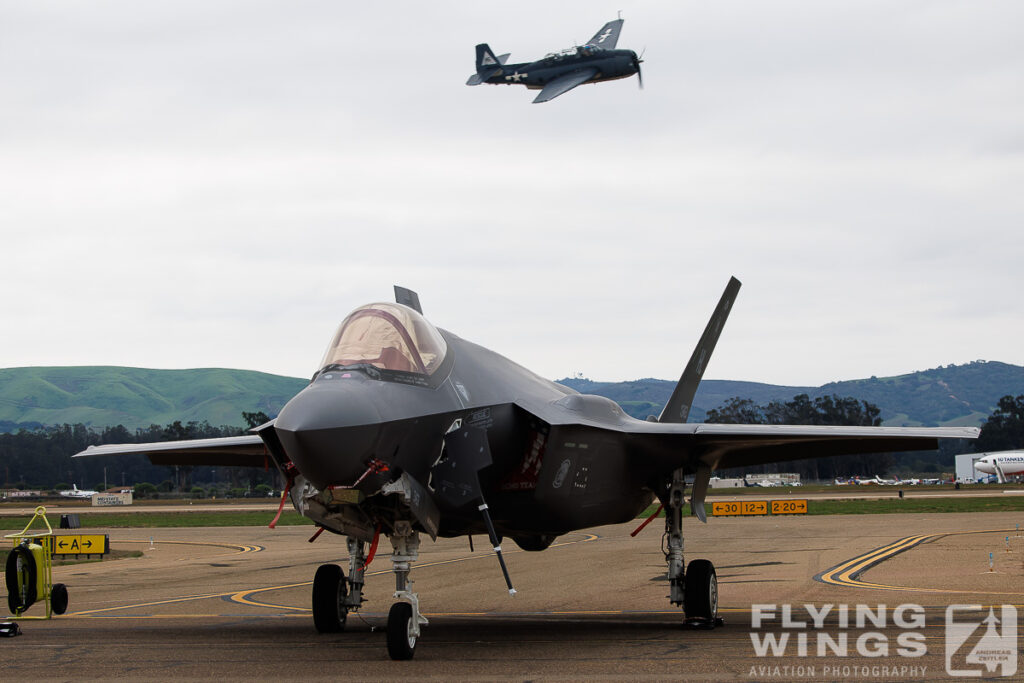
(144, 490)
(255, 419)
(737, 410)
(1004, 429)
(801, 410)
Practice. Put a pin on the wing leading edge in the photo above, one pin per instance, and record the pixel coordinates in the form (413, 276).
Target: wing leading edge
(563, 84)
(229, 451)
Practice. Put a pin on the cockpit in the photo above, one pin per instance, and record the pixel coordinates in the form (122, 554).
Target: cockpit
(388, 337)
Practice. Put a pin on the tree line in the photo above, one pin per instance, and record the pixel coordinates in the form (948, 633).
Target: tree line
(1003, 430)
(40, 458)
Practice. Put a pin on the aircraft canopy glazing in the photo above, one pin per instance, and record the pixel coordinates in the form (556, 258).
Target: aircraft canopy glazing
(387, 336)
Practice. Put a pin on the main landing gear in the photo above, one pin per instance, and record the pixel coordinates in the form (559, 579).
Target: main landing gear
(334, 596)
(696, 589)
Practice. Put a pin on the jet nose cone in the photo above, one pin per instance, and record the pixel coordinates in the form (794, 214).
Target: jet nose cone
(329, 430)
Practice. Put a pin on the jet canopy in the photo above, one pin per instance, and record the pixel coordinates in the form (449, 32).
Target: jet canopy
(389, 337)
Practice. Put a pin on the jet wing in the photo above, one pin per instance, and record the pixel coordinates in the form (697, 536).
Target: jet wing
(608, 36)
(229, 451)
(723, 446)
(564, 84)
(663, 447)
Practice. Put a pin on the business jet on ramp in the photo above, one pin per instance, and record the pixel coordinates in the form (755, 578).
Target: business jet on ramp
(1001, 464)
(75, 492)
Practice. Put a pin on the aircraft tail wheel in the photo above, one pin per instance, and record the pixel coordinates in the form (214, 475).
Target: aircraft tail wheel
(59, 598)
(329, 592)
(401, 641)
(21, 574)
(700, 592)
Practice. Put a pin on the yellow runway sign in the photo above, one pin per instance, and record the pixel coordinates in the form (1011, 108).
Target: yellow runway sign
(744, 507)
(789, 507)
(81, 544)
(759, 507)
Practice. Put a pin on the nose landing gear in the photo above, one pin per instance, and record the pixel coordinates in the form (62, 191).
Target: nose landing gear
(404, 618)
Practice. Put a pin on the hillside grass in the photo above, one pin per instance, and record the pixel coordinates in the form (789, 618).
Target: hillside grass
(144, 520)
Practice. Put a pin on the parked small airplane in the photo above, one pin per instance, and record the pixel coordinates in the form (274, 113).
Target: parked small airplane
(1001, 464)
(75, 492)
(559, 72)
(406, 429)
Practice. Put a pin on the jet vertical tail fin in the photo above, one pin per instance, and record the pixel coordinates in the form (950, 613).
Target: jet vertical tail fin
(677, 409)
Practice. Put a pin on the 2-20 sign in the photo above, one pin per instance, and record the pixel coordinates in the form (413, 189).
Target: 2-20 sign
(789, 507)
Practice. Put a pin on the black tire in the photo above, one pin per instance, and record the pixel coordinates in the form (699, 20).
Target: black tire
(700, 590)
(329, 592)
(534, 543)
(21, 581)
(401, 645)
(59, 598)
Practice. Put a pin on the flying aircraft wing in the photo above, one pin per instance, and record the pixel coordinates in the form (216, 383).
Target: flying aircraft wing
(230, 451)
(608, 36)
(564, 84)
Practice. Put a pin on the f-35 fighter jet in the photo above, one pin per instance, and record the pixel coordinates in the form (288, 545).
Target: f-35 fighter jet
(407, 429)
(559, 72)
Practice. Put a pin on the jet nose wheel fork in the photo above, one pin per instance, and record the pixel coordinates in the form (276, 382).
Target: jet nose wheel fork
(404, 619)
(696, 588)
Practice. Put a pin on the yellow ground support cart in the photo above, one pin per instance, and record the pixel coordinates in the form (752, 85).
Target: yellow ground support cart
(29, 571)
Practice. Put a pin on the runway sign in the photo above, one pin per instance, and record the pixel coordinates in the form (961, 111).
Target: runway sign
(759, 507)
(754, 507)
(789, 507)
(745, 507)
(81, 544)
(725, 509)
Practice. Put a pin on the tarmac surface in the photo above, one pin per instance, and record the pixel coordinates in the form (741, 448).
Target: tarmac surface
(233, 603)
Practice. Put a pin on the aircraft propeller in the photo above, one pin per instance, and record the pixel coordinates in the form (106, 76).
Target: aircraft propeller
(637, 61)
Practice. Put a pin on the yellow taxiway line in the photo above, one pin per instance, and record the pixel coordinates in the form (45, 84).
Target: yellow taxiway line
(848, 573)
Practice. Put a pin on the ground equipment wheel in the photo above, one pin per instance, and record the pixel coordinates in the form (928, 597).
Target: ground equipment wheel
(700, 596)
(329, 592)
(21, 578)
(59, 598)
(401, 641)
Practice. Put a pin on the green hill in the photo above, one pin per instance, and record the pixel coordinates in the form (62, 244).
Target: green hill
(955, 395)
(137, 397)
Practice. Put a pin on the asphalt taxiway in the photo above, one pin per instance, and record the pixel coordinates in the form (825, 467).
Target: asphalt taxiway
(233, 603)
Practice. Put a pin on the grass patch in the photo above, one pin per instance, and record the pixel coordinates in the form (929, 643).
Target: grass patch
(168, 519)
(883, 506)
(112, 555)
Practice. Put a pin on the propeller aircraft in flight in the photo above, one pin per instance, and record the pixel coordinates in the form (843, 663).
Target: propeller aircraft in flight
(407, 429)
(559, 72)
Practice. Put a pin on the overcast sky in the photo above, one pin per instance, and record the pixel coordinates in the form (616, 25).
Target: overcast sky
(216, 184)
